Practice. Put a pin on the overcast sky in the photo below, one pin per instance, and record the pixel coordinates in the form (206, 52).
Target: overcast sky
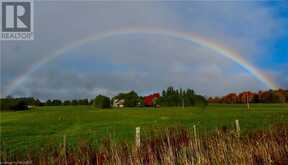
(142, 62)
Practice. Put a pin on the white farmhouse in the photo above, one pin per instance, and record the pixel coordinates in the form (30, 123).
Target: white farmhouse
(118, 103)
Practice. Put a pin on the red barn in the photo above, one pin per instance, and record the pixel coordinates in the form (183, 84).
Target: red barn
(149, 100)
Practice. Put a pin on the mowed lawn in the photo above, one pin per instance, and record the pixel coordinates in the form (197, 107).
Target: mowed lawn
(44, 127)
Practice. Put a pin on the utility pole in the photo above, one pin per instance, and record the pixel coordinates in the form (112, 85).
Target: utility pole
(183, 102)
(247, 100)
(182, 96)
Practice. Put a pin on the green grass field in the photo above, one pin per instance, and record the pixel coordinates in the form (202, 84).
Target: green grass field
(44, 127)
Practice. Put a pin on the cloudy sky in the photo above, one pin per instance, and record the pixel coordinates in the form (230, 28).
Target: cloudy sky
(146, 62)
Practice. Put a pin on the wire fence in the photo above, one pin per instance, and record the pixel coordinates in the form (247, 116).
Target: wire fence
(36, 143)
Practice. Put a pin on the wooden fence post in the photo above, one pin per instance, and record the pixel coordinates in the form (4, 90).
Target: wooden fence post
(137, 137)
(237, 127)
(195, 133)
(64, 148)
(64, 143)
(198, 156)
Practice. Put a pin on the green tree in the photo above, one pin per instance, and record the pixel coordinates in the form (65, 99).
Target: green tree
(200, 101)
(131, 99)
(67, 102)
(49, 102)
(178, 97)
(74, 102)
(13, 104)
(102, 102)
(56, 102)
(83, 102)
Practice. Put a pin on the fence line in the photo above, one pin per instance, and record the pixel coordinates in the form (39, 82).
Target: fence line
(28, 141)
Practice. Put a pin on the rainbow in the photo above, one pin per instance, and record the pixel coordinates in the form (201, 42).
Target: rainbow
(191, 37)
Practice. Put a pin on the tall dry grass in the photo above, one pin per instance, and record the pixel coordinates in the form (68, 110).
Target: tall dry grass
(178, 146)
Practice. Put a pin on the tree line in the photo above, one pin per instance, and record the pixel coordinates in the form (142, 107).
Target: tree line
(180, 97)
(18, 104)
(170, 97)
(58, 102)
(269, 96)
(24, 103)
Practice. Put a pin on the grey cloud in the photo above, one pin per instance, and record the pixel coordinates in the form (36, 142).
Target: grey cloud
(154, 62)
